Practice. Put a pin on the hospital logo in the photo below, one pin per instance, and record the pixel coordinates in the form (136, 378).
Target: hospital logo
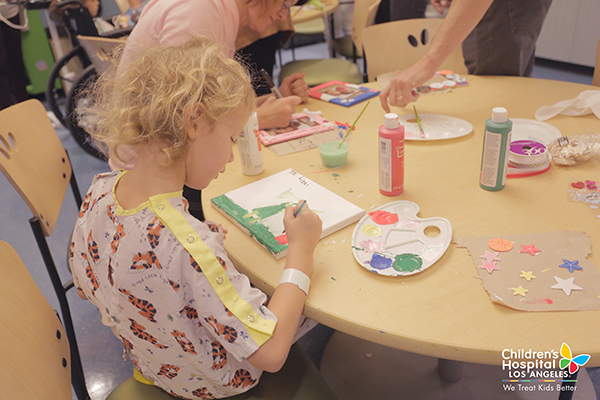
(573, 363)
(541, 371)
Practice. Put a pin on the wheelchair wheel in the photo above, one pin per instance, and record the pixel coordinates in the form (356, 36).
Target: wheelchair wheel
(77, 126)
(52, 92)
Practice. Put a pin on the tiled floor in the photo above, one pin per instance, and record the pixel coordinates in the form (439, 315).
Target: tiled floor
(100, 350)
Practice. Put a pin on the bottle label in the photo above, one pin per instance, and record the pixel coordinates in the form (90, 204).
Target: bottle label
(385, 164)
(391, 166)
(494, 162)
(491, 159)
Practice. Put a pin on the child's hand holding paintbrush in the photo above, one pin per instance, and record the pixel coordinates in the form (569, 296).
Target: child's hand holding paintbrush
(302, 227)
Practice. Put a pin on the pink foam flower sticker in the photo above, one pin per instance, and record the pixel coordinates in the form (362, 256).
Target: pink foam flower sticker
(572, 362)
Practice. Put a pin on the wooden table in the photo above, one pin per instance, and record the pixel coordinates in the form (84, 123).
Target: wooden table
(304, 13)
(443, 311)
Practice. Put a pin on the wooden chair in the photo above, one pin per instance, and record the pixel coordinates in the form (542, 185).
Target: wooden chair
(319, 71)
(596, 79)
(33, 347)
(99, 50)
(351, 46)
(309, 29)
(34, 161)
(399, 44)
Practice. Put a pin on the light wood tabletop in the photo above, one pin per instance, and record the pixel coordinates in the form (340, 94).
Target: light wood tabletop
(443, 311)
(305, 13)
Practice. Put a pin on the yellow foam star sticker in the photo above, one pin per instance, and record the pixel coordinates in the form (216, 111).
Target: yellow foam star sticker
(527, 275)
(519, 290)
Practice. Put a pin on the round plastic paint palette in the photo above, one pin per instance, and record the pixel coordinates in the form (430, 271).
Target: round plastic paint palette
(392, 241)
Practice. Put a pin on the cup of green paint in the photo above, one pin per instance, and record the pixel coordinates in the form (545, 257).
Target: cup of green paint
(333, 147)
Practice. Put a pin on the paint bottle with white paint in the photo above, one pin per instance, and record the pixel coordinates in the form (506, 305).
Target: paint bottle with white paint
(496, 145)
(250, 149)
(391, 156)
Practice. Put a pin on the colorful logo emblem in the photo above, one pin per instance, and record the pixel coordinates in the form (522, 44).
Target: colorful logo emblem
(572, 362)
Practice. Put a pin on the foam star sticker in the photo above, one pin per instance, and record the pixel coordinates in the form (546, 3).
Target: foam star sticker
(566, 285)
(571, 265)
(519, 290)
(527, 275)
(530, 249)
(490, 256)
(490, 266)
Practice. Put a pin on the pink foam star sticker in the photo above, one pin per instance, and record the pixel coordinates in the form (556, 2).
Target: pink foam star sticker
(490, 266)
(490, 256)
(530, 249)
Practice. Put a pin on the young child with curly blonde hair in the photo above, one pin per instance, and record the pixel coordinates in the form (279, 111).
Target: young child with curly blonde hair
(161, 279)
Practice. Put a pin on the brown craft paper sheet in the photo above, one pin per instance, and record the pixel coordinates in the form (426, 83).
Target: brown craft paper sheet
(554, 246)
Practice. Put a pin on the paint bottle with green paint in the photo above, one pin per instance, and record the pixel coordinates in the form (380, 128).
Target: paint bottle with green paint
(496, 144)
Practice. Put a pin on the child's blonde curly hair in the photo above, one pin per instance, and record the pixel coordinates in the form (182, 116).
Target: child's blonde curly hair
(154, 97)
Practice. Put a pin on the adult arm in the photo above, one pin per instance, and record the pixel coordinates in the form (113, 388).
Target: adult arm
(462, 17)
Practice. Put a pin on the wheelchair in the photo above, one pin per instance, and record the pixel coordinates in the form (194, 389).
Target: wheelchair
(78, 22)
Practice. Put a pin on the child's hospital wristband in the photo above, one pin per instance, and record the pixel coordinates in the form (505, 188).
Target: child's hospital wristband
(297, 277)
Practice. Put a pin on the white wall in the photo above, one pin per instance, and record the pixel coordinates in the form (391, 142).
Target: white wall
(571, 32)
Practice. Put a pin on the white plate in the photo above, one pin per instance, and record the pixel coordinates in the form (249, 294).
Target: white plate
(392, 241)
(436, 127)
(531, 129)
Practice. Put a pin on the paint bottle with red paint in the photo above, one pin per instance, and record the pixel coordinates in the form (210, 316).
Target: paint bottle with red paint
(391, 156)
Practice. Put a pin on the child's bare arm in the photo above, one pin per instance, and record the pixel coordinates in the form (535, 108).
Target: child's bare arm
(287, 303)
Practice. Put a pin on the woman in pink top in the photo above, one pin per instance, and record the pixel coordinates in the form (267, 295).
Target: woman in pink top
(172, 22)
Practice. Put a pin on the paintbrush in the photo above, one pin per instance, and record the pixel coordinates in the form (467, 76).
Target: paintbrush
(297, 211)
(352, 127)
(419, 122)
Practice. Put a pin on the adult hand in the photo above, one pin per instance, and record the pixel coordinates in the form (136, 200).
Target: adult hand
(295, 85)
(439, 5)
(401, 90)
(276, 113)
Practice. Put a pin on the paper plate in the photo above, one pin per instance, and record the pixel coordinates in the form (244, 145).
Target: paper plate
(392, 241)
(531, 129)
(436, 127)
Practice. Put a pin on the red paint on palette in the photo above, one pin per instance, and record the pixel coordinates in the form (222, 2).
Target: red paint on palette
(383, 217)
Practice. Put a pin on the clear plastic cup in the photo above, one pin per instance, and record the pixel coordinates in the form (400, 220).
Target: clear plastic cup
(333, 148)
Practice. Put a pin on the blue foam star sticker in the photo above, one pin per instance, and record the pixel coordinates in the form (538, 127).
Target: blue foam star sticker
(571, 265)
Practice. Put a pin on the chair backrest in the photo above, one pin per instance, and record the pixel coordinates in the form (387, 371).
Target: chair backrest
(34, 350)
(399, 44)
(34, 160)
(99, 50)
(363, 16)
(596, 79)
(78, 20)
